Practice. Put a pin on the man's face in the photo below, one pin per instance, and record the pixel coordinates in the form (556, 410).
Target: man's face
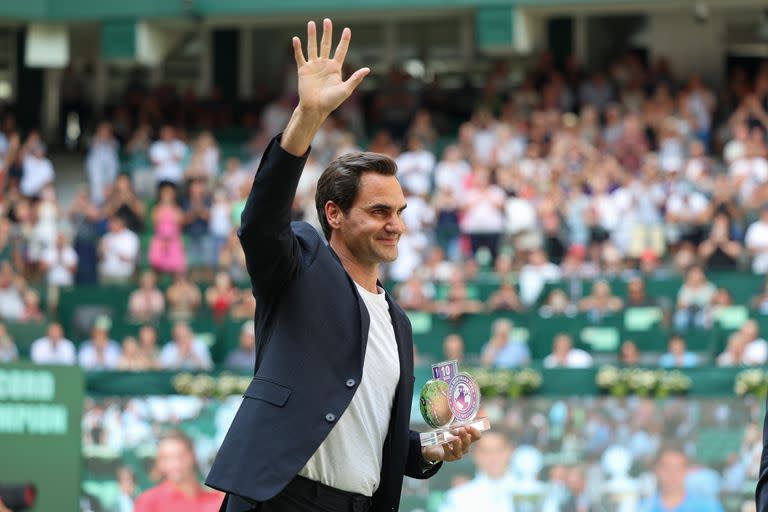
(174, 460)
(492, 454)
(373, 225)
(670, 472)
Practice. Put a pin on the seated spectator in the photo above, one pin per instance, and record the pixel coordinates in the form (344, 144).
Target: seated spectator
(232, 258)
(415, 294)
(60, 262)
(557, 304)
(575, 265)
(693, 300)
(565, 356)
(11, 300)
(245, 306)
(756, 241)
(100, 352)
(756, 349)
(53, 348)
(538, 272)
(220, 224)
(733, 355)
(123, 202)
(671, 471)
(88, 220)
(165, 155)
(119, 250)
(147, 303)
(629, 354)
(243, 358)
(148, 345)
(183, 296)
(601, 301)
(32, 312)
(503, 350)
(184, 351)
(166, 249)
(38, 170)
(719, 250)
(760, 301)
(637, 296)
(677, 356)
(132, 358)
(221, 295)
(505, 298)
(180, 488)
(459, 300)
(436, 267)
(453, 348)
(8, 351)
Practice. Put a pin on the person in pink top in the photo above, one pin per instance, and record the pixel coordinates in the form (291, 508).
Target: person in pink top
(180, 490)
(166, 250)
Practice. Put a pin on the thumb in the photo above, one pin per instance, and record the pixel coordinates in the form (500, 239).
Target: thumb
(355, 79)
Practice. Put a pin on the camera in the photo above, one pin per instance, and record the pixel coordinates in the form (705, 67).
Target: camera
(18, 497)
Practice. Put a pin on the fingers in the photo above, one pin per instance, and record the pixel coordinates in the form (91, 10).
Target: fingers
(341, 49)
(311, 40)
(298, 54)
(355, 79)
(325, 42)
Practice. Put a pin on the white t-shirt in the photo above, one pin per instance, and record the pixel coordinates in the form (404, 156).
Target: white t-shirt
(414, 168)
(757, 239)
(90, 359)
(756, 352)
(43, 351)
(452, 175)
(38, 172)
(120, 253)
(171, 357)
(58, 262)
(576, 358)
(485, 211)
(350, 457)
(167, 159)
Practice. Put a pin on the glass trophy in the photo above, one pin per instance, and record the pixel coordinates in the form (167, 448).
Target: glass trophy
(450, 400)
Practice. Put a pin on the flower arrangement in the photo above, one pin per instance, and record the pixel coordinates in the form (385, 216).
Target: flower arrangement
(507, 383)
(204, 385)
(642, 382)
(751, 382)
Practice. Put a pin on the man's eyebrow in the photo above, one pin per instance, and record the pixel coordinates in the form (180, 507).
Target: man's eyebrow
(382, 206)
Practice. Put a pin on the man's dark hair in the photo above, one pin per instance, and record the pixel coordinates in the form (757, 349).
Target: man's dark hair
(341, 180)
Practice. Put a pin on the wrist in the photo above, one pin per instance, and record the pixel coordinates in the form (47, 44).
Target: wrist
(427, 459)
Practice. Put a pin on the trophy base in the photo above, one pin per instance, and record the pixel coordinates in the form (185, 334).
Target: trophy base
(445, 434)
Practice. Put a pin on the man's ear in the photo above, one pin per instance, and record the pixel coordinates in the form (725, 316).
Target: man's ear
(333, 214)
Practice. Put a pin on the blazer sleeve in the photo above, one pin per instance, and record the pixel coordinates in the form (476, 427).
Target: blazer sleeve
(416, 466)
(272, 252)
(761, 492)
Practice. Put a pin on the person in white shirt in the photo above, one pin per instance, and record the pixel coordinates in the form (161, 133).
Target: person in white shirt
(756, 348)
(565, 356)
(184, 351)
(119, 250)
(60, 262)
(533, 276)
(53, 348)
(756, 241)
(37, 169)
(415, 166)
(100, 352)
(452, 171)
(101, 163)
(166, 155)
(491, 489)
(483, 218)
(11, 301)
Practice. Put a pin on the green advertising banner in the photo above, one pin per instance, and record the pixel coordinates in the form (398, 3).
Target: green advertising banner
(41, 409)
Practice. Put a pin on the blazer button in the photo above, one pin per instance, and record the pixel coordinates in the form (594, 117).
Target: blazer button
(330, 417)
(351, 383)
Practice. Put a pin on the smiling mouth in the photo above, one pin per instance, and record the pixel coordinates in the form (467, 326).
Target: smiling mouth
(388, 241)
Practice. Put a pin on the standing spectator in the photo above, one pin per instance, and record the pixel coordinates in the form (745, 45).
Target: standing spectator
(87, 221)
(100, 352)
(8, 351)
(565, 356)
(415, 166)
(184, 351)
(183, 297)
(101, 162)
(243, 358)
(166, 155)
(756, 240)
(166, 250)
(504, 350)
(671, 471)
(694, 299)
(180, 488)
(119, 250)
(53, 348)
(719, 250)
(147, 303)
(38, 170)
(219, 224)
(677, 356)
(197, 215)
(123, 201)
(60, 262)
(483, 214)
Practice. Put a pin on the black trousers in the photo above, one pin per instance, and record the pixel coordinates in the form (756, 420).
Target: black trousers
(302, 495)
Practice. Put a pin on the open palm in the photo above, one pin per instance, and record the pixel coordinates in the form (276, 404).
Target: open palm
(321, 88)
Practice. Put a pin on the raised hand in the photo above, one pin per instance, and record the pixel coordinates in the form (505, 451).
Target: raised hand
(321, 88)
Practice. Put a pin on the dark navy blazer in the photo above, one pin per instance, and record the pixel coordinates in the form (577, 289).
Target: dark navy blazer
(312, 331)
(761, 493)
